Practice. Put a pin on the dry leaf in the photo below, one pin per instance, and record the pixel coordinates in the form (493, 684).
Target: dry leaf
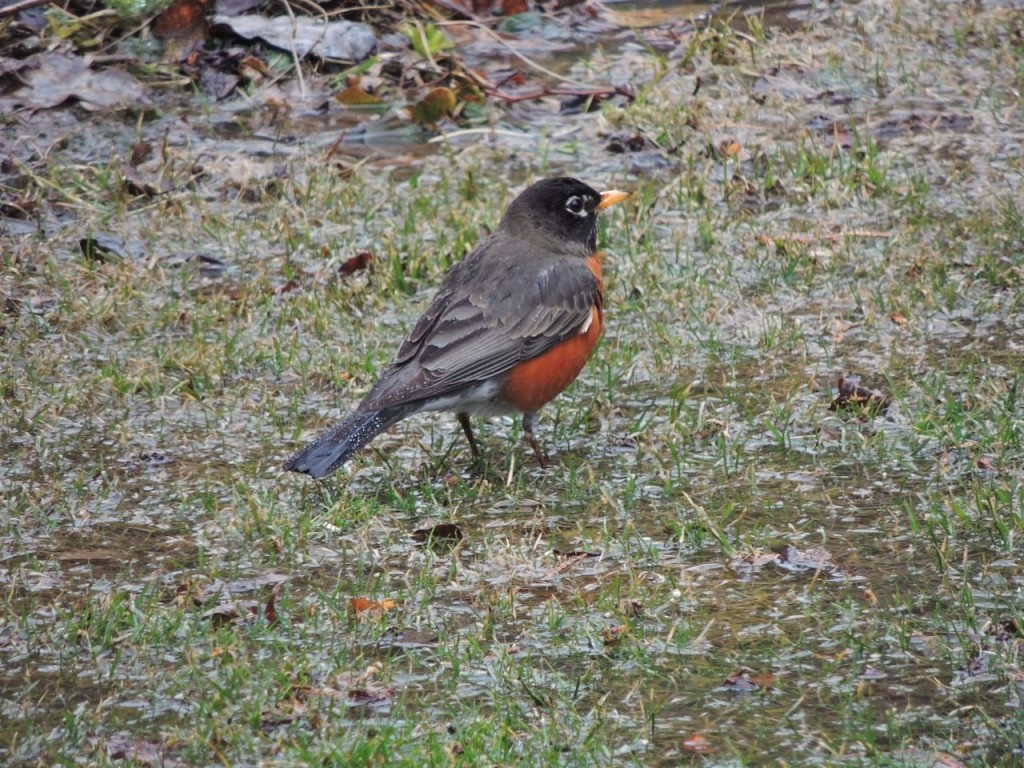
(512, 7)
(632, 608)
(612, 635)
(270, 609)
(184, 26)
(864, 401)
(434, 106)
(567, 560)
(354, 95)
(363, 607)
(357, 263)
(52, 78)
(337, 39)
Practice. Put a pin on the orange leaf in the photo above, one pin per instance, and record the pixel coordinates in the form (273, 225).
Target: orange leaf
(182, 19)
(270, 609)
(435, 105)
(355, 95)
(512, 7)
(184, 25)
(362, 605)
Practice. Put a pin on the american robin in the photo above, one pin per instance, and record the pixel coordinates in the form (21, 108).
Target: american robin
(512, 326)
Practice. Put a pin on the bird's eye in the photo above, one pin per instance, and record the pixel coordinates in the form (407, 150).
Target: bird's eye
(575, 206)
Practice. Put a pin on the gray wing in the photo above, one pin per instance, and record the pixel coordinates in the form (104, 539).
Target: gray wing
(482, 322)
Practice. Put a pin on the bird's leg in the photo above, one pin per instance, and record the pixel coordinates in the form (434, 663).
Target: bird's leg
(468, 429)
(529, 421)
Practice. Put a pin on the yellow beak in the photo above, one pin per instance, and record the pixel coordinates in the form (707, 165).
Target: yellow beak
(611, 197)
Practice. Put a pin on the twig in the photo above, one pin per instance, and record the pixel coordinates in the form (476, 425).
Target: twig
(477, 131)
(501, 132)
(545, 91)
(521, 56)
(22, 5)
(294, 52)
(452, 6)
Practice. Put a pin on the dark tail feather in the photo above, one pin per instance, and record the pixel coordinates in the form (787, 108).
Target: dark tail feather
(336, 446)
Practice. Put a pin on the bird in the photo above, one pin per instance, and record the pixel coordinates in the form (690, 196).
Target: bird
(511, 326)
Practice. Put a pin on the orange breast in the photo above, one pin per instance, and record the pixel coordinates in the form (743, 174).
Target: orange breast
(536, 382)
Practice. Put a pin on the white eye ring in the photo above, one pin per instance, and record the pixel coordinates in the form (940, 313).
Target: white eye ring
(576, 207)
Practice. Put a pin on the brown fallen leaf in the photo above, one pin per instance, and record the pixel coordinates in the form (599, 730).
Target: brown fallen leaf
(141, 152)
(631, 608)
(183, 25)
(567, 560)
(235, 612)
(434, 106)
(364, 607)
(852, 396)
(254, 70)
(512, 7)
(370, 696)
(730, 148)
(270, 609)
(354, 95)
(613, 635)
(288, 287)
(19, 208)
(147, 184)
(631, 142)
(1005, 630)
(357, 263)
(574, 554)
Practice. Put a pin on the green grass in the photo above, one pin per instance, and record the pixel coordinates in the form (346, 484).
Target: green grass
(169, 594)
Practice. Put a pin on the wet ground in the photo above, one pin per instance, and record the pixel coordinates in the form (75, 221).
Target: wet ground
(782, 521)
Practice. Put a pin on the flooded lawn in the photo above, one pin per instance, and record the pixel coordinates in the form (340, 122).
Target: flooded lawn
(782, 521)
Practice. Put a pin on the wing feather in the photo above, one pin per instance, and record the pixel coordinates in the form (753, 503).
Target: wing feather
(484, 320)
